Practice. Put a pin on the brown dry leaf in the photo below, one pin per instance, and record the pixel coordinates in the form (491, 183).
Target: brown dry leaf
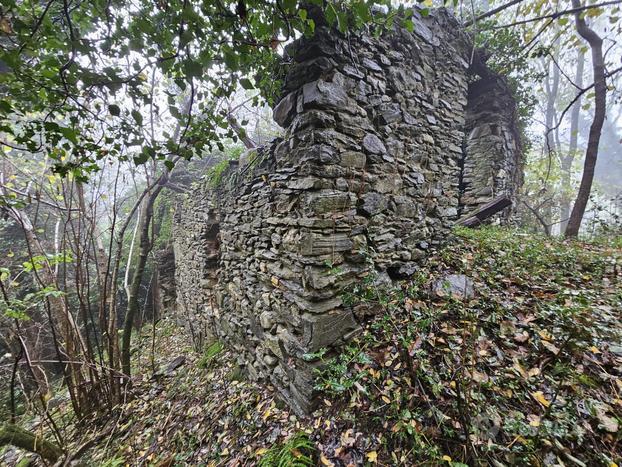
(518, 367)
(479, 377)
(606, 422)
(551, 347)
(347, 439)
(5, 26)
(414, 346)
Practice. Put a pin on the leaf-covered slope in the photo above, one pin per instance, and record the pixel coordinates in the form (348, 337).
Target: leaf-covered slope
(527, 371)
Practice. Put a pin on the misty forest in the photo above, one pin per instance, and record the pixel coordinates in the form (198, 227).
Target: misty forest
(311, 233)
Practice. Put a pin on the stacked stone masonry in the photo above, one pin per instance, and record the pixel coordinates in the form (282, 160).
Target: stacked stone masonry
(381, 145)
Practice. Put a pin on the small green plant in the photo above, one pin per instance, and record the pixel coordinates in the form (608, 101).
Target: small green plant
(214, 176)
(297, 451)
(332, 270)
(338, 374)
(208, 355)
(113, 462)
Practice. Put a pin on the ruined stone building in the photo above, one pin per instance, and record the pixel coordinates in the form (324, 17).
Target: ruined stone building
(388, 141)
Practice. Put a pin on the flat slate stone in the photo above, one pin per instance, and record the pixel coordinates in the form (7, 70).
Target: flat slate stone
(373, 144)
(285, 111)
(456, 285)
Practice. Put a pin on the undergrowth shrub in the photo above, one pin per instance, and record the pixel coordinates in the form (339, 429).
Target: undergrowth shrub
(297, 451)
(209, 353)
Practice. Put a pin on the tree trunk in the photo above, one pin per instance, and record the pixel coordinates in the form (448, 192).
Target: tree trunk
(248, 142)
(550, 145)
(145, 245)
(14, 435)
(568, 159)
(600, 96)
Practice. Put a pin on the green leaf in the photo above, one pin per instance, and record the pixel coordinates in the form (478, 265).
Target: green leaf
(289, 5)
(331, 14)
(142, 156)
(70, 134)
(342, 22)
(361, 10)
(16, 314)
(193, 69)
(5, 106)
(114, 110)
(4, 274)
(231, 60)
(246, 83)
(137, 117)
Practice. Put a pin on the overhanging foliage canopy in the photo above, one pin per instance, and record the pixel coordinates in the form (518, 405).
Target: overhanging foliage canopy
(86, 79)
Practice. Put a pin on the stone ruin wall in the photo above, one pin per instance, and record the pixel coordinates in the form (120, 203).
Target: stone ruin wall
(492, 165)
(367, 177)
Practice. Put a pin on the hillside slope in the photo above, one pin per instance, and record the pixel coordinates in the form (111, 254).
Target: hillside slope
(522, 368)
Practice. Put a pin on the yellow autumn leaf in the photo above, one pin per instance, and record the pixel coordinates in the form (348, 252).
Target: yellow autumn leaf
(325, 461)
(534, 420)
(539, 396)
(518, 367)
(372, 456)
(446, 458)
(261, 451)
(386, 399)
(613, 464)
(533, 372)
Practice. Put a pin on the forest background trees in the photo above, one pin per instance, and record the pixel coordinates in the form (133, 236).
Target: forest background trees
(103, 104)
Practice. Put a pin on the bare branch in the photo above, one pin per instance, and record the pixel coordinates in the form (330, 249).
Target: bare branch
(556, 15)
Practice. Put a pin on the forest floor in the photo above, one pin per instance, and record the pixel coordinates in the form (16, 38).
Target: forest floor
(527, 371)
